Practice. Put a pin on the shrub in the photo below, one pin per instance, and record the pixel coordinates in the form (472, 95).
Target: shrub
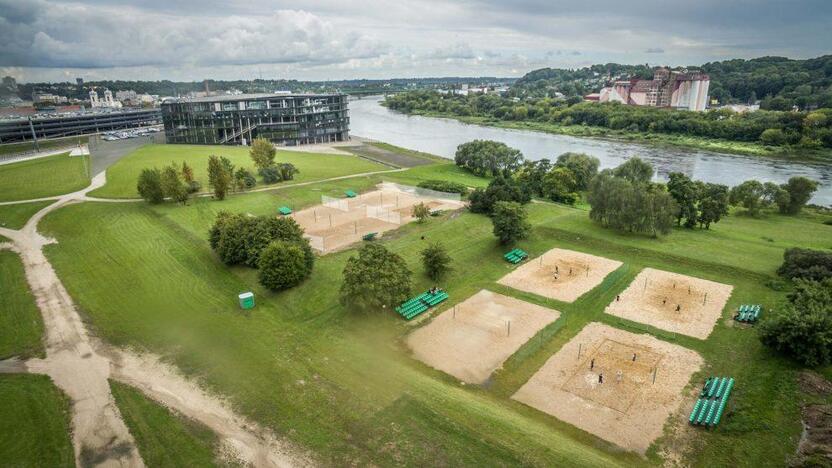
(282, 265)
(420, 211)
(239, 239)
(806, 264)
(375, 279)
(803, 329)
(262, 153)
(172, 185)
(244, 179)
(270, 174)
(219, 176)
(444, 186)
(287, 171)
(149, 186)
(436, 261)
(509, 220)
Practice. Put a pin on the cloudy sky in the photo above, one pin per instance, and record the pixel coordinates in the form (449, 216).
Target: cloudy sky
(55, 40)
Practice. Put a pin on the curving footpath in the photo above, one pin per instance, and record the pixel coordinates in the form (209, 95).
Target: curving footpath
(81, 364)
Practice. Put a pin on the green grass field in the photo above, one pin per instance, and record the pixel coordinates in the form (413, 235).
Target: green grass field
(34, 423)
(15, 216)
(43, 177)
(122, 176)
(343, 385)
(164, 439)
(21, 325)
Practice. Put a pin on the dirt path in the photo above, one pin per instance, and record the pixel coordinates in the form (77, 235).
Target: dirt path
(81, 365)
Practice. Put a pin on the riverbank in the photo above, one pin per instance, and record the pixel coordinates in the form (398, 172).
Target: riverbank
(645, 138)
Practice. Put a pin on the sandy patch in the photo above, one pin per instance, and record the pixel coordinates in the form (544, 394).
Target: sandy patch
(628, 408)
(339, 223)
(654, 296)
(473, 339)
(560, 274)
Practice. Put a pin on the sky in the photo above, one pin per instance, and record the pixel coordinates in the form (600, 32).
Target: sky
(185, 40)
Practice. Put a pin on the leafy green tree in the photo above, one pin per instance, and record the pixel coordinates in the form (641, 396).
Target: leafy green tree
(684, 191)
(172, 185)
(635, 170)
(749, 195)
(582, 166)
(510, 223)
(773, 137)
(240, 239)
(149, 186)
(499, 189)
(560, 185)
(192, 184)
(282, 265)
(219, 177)
(486, 157)
(799, 190)
(421, 212)
(375, 279)
(262, 152)
(713, 204)
(530, 175)
(803, 328)
(436, 261)
(626, 206)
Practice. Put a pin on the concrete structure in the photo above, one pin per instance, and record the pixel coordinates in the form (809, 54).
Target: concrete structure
(107, 102)
(285, 119)
(668, 88)
(74, 123)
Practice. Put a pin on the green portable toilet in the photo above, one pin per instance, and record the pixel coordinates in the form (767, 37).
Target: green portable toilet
(247, 300)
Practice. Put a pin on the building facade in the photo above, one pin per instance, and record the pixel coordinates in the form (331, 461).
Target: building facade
(284, 119)
(668, 88)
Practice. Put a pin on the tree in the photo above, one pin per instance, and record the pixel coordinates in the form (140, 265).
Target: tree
(635, 170)
(713, 204)
(748, 195)
(799, 190)
(192, 185)
(803, 328)
(149, 186)
(499, 189)
(509, 220)
(270, 174)
(282, 265)
(582, 166)
(420, 211)
(172, 185)
(530, 175)
(684, 191)
(219, 177)
(560, 185)
(375, 279)
(262, 153)
(773, 137)
(240, 239)
(486, 157)
(626, 206)
(436, 261)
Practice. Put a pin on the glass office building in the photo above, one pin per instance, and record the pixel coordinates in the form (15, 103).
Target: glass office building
(284, 119)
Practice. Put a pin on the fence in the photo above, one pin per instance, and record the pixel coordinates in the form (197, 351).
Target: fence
(384, 214)
(420, 192)
(335, 203)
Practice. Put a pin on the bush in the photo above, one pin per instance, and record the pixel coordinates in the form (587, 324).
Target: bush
(773, 137)
(436, 261)
(509, 220)
(806, 264)
(444, 186)
(282, 265)
(420, 211)
(172, 185)
(149, 186)
(803, 329)
(239, 239)
(244, 179)
(375, 279)
(262, 152)
(270, 174)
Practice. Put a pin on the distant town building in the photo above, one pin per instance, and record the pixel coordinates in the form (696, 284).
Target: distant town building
(668, 88)
(128, 95)
(292, 119)
(48, 98)
(106, 102)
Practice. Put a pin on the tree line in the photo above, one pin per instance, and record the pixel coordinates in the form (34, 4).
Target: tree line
(809, 130)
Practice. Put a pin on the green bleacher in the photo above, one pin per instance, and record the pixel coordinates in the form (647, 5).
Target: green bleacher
(369, 236)
(285, 210)
(415, 306)
(516, 256)
(350, 194)
(710, 406)
(748, 313)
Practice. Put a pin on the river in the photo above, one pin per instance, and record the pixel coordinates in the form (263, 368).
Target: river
(439, 136)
